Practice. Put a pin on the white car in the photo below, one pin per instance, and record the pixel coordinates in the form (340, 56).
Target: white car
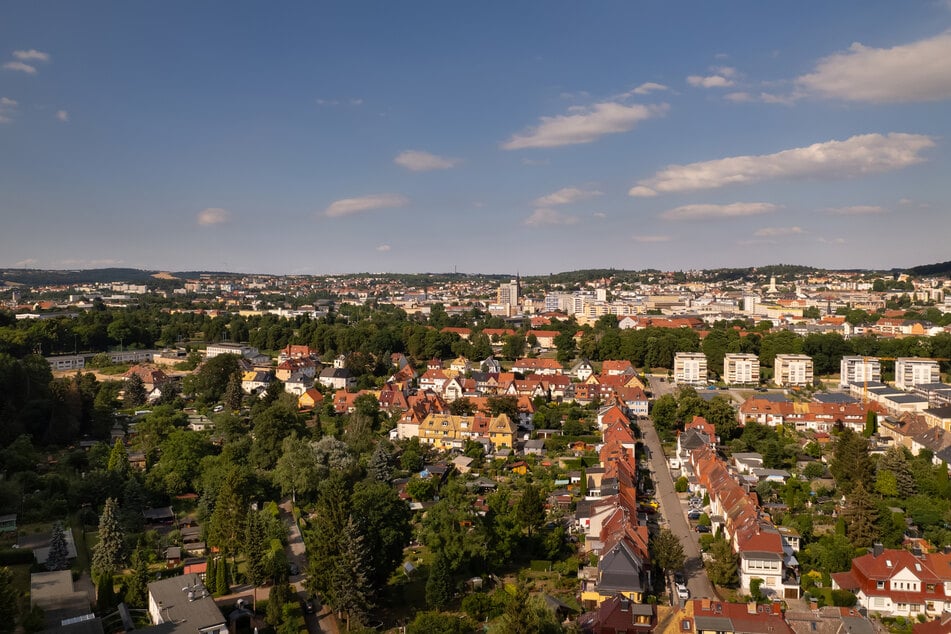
(682, 591)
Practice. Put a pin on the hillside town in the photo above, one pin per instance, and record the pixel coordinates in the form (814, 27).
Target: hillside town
(734, 452)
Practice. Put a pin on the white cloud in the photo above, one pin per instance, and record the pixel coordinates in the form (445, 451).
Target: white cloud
(355, 101)
(419, 161)
(348, 206)
(213, 216)
(8, 108)
(856, 156)
(651, 239)
(549, 217)
(600, 215)
(565, 196)
(584, 124)
(722, 78)
(918, 71)
(383, 248)
(32, 55)
(714, 211)
(778, 232)
(62, 115)
(831, 241)
(648, 87)
(857, 210)
(21, 67)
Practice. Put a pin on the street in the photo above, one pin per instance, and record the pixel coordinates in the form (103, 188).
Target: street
(323, 620)
(672, 508)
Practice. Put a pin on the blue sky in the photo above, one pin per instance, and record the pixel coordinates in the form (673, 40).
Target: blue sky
(483, 137)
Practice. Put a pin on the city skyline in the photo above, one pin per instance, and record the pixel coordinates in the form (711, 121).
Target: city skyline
(419, 137)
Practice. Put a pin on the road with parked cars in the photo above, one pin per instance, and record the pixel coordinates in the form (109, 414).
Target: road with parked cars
(674, 510)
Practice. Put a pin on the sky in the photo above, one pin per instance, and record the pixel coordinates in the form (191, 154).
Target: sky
(479, 137)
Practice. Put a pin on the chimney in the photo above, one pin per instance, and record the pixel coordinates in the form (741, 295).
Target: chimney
(813, 605)
(751, 607)
(877, 549)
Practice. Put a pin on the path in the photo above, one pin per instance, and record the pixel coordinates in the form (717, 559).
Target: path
(324, 619)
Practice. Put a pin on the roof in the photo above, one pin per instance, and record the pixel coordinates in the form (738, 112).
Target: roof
(194, 612)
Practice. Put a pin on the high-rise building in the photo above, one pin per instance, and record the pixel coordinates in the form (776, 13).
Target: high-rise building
(509, 293)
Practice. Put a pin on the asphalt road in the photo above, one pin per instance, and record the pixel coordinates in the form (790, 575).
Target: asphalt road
(673, 510)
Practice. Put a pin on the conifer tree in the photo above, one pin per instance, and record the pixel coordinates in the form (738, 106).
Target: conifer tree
(107, 555)
(134, 391)
(896, 462)
(8, 601)
(118, 459)
(439, 584)
(233, 395)
(722, 568)
(221, 577)
(105, 593)
(381, 463)
(860, 514)
(136, 594)
(255, 550)
(58, 557)
(350, 581)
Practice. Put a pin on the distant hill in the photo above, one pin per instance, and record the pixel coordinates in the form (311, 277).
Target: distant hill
(941, 268)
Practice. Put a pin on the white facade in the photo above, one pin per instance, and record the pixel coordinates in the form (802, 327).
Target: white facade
(910, 371)
(690, 368)
(792, 370)
(742, 369)
(854, 369)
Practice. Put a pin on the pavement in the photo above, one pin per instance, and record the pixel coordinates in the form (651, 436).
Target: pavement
(674, 509)
(324, 619)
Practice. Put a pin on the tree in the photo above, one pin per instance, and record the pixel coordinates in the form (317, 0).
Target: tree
(255, 549)
(462, 407)
(107, 554)
(664, 413)
(221, 578)
(439, 584)
(298, 470)
(722, 568)
(331, 514)
(514, 347)
(351, 592)
(421, 489)
(531, 509)
(118, 459)
(850, 462)
(105, 593)
(58, 558)
(860, 515)
(136, 593)
(380, 467)
(682, 484)
(895, 463)
(437, 623)
(9, 600)
(233, 395)
(384, 522)
(134, 391)
(668, 551)
(227, 522)
(871, 423)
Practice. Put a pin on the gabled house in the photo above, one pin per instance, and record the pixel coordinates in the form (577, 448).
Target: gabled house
(582, 370)
(899, 583)
(337, 378)
(310, 399)
(620, 571)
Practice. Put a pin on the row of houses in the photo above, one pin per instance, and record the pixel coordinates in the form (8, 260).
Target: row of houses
(765, 551)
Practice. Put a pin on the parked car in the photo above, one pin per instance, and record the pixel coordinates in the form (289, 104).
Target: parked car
(682, 591)
(694, 515)
(309, 606)
(702, 528)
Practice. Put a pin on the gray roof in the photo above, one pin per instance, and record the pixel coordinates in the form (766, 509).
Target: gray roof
(834, 397)
(172, 597)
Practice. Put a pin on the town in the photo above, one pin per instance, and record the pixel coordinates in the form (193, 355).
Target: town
(734, 451)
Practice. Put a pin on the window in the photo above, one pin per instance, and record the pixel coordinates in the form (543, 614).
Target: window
(880, 585)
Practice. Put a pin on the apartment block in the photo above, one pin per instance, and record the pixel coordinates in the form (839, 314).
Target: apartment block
(792, 370)
(741, 369)
(912, 371)
(855, 369)
(690, 368)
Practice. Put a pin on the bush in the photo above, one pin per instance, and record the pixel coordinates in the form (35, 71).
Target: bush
(843, 599)
(682, 484)
(481, 606)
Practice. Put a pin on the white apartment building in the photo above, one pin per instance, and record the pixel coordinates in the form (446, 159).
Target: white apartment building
(741, 369)
(792, 370)
(855, 369)
(690, 368)
(912, 371)
(509, 293)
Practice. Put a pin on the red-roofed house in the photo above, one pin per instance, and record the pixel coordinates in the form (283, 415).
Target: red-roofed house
(899, 583)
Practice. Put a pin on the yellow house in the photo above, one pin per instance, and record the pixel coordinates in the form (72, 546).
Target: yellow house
(445, 431)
